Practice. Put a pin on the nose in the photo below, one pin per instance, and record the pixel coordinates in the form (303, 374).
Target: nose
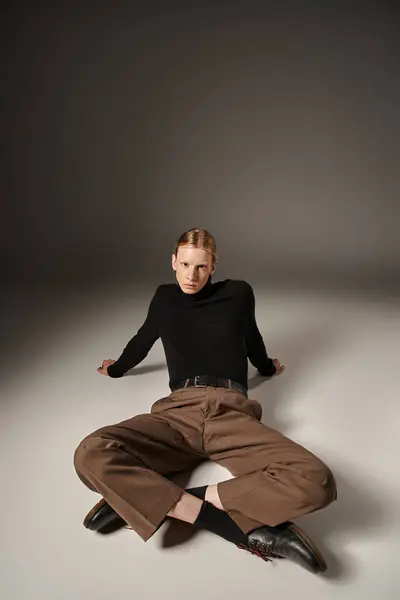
(191, 276)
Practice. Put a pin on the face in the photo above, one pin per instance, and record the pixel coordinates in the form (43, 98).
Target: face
(193, 266)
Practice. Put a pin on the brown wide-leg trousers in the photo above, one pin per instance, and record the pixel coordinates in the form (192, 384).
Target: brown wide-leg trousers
(133, 464)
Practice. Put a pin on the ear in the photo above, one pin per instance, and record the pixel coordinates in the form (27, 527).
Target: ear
(173, 262)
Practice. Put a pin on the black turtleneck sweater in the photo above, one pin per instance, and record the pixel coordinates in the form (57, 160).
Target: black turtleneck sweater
(212, 332)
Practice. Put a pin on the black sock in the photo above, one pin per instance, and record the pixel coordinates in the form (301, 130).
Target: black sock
(199, 492)
(219, 522)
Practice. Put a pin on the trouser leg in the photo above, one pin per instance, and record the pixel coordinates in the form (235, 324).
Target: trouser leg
(275, 479)
(130, 463)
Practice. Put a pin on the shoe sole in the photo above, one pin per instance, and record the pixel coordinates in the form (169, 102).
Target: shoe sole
(310, 545)
(92, 512)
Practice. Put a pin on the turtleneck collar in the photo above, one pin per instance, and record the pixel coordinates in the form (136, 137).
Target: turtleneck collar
(203, 293)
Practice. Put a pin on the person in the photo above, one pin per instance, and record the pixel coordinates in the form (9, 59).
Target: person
(209, 332)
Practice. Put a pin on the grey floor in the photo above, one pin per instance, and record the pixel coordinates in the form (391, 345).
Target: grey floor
(339, 397)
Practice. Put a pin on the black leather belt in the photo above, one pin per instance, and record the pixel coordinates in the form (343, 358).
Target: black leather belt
(205, 380)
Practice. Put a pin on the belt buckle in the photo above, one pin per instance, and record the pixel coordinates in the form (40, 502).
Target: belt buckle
(198, 384)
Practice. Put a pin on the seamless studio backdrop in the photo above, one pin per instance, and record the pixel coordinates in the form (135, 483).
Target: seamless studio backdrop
(275, 126)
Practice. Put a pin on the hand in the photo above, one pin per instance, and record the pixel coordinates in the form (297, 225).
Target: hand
(279, 368)
(104, 365)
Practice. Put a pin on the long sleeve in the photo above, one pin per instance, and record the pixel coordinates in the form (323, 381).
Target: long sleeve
(139, 346)
(256, 351)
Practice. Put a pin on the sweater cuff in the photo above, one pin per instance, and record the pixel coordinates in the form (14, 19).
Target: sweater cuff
(269, 370)
(114, 371)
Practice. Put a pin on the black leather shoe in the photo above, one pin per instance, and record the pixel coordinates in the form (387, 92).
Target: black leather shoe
(100, 516)
(286, 540)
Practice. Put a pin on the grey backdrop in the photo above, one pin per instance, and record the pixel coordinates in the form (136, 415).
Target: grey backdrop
(273, 124)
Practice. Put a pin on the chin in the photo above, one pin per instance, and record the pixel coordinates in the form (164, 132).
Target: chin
(189, 290)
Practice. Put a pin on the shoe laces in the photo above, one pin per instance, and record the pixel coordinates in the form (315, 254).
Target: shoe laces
(259, 549)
